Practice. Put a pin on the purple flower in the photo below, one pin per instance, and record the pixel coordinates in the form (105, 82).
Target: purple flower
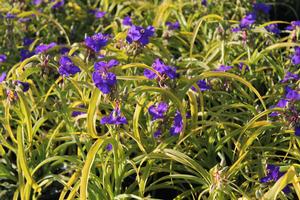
(102, 66)
(27, 41)
(76, 113)
(248, 20)
(158, 112)
(2, 77)
(64, 50)
(10, 16)
(109, 147)
(296, 56)
(114, 118)
(104, 81)
(24, 85)
(293, 26)
(261, 7)
(97, 13)
(273, 174)
(58, 4)
(223, 68)
(67, 67)
(273, 28)
(295, 23)
(204, 2)
(173, 26)
(297, 130)
(290, 76)
(157, 134)
(282, 103)
(202, 84)
(25, 54)
(241, 65)
(36, 2)
(127, 21)
(24, 20)
(2, 58)
(177, 125)
(161, 68)
(42, 48)
(236, 29)
(96, 42)
(139, 34)
(292, 95)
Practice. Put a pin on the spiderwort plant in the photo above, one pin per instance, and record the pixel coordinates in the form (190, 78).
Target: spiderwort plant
(151, 153)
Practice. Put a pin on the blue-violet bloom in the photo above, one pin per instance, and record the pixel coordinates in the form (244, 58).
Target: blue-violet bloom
(58, 4)
(67, 67)
(292, 95)
(296, 56)
(177, 125)
(140, 34)
(297, 130)
(115, 117)
(223, 68)
(261, 7)
(2, 58)
(27, 41)
(42, 48)
(202, 84)
(162, 69)
(248, 20)
(159, 111)
(24, 86)
(273, 28)
(290, 76)
(127, 21)
(24, 53)
(173, 26)
(96, 42)
(2, 77)
(273, 174)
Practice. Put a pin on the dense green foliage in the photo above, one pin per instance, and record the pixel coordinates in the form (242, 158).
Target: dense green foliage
(227, 138)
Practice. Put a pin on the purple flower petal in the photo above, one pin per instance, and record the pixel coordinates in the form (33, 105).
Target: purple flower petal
(127, 21)
(96, 42)
(2, 77)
